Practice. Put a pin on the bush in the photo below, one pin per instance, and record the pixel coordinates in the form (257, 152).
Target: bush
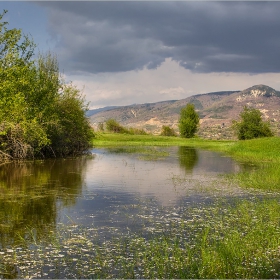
(137, 131)
(188, 122)
(72, 133)
(167, 131)
(113, 126)
(251, 125)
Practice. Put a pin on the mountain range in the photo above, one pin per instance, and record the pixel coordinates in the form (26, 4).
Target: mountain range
(217, 110)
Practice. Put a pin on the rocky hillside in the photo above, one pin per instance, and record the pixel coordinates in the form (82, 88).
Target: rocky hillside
(216, 110)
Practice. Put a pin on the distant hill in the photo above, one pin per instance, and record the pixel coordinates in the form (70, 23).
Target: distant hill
(216, 110)
(95, 111)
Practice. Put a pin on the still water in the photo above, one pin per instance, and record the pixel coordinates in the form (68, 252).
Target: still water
(106, 188)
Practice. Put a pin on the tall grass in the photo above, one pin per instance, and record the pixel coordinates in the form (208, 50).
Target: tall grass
(264, 154)
(256, 150)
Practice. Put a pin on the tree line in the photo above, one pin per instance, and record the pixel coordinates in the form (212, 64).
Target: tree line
(250, 125)
(40, 114)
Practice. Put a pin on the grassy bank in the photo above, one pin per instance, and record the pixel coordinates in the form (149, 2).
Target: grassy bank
(111, 140)
(256, 150)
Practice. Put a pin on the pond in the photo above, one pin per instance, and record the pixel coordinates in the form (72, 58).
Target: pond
(112, 194)
(115, 178)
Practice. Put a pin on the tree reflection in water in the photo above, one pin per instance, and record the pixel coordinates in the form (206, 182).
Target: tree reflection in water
(188, 158)
(31, 192)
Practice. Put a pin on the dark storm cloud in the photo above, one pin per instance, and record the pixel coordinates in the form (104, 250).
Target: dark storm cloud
(99, 37)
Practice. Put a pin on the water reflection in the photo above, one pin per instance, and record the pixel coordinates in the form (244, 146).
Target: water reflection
(31, 194)
(188, 158)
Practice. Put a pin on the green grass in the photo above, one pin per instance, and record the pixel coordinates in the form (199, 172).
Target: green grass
(257, 150)
(111, 140)
(264, 154)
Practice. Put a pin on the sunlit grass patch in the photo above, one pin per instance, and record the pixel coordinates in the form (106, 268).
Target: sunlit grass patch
(257, 150)
(111, 140)
(265, 176)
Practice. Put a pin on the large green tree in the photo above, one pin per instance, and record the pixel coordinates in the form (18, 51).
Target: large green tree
(188, 121)
(37, 107)
(251, 125)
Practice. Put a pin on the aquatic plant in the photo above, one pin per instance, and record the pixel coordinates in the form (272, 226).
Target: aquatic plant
(208, 241)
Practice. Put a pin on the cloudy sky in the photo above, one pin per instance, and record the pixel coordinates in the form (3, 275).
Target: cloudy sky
(128, 52)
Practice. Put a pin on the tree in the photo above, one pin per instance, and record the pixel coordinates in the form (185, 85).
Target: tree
(20, 134)
(251, 125)
(40, 115)
(189, 121)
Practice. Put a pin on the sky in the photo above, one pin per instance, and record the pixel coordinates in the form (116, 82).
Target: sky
(131, 52)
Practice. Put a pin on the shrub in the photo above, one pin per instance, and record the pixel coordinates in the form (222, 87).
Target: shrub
(113, 126)
(167, 131)
(72, 133)
(137, 131)
(251, 125)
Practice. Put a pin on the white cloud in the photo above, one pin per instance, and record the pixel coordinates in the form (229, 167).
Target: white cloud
(174, 90)
(169, 81)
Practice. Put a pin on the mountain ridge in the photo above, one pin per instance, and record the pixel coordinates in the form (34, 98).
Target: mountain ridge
(216, 110)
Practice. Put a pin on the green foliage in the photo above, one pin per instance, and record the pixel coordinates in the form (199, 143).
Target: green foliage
(167, 131)
(189, 121)
(39, 114)
(72, 132)
(137, 131)
(251, 125)
(113, 126)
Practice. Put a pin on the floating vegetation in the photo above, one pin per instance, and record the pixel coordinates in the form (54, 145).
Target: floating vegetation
(220, 240)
